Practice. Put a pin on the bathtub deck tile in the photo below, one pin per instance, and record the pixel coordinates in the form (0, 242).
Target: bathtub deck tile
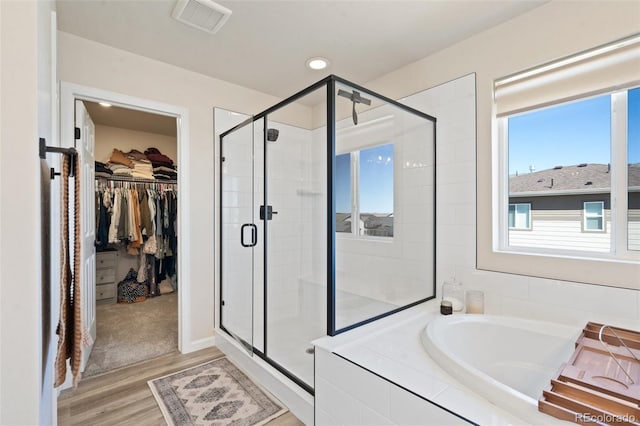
(420, 382)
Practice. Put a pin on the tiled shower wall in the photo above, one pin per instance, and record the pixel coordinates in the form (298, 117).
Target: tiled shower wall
(290, 239)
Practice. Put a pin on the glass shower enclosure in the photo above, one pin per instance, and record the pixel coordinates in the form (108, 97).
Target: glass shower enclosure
(327, 220)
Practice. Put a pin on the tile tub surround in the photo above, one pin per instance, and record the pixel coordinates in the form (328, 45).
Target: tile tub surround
(391, 349)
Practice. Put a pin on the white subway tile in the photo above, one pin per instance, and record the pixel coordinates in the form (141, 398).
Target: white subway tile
(464, 151)
(600, 300)
(370, 417)
(465, 213)
(410, 410)
(369, 389)
(516, 308)
(342, 408)
(474, 408)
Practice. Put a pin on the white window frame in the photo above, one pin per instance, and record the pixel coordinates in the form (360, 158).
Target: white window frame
(529, 221)
(355, 195)
(619, 190)
(586, 215)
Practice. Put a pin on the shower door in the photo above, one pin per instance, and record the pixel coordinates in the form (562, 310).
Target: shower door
(238, 233)
(273, 250)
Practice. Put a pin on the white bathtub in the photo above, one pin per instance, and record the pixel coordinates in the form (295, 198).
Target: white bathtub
(508, 361)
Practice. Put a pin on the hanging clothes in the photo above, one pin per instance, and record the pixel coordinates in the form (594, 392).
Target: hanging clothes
(115, 217)
(142, 218)
(103, 202)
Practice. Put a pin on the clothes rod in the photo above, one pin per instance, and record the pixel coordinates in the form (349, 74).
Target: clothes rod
(136, 180)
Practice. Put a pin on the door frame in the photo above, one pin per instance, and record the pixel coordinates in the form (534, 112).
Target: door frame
(69, 92)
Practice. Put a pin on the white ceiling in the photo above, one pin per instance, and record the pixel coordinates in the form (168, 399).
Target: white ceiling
(131, 119)
(265, 43)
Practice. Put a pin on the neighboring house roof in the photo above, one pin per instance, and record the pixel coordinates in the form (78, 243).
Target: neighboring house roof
(581, 178)
(378, 222)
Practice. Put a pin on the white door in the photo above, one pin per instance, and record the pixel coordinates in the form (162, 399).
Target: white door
(85, 146)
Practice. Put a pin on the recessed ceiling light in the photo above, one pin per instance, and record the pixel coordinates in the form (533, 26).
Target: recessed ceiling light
(104, 104)
(317, 63)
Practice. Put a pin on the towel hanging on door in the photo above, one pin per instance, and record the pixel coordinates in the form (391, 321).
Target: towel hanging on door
(70, 323)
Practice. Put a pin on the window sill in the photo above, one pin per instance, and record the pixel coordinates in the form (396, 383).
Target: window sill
(584, 267)
(350, 237)
(573, 255)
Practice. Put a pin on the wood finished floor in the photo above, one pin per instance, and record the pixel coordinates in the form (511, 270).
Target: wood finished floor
(123, 397)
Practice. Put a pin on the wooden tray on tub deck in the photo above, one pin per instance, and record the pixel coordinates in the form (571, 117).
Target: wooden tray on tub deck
(598, 385)
(629, 337)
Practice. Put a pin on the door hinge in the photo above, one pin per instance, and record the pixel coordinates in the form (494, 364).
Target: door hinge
(77, 133)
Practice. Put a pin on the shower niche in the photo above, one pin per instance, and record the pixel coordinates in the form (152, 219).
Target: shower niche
(327, 220)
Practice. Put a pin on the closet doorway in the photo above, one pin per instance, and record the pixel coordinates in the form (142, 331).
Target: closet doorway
(135, 189)
(134, 288)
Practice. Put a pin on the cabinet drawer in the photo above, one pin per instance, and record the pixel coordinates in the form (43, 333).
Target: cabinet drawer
(105, 276)
(105, 260)
(105, 291)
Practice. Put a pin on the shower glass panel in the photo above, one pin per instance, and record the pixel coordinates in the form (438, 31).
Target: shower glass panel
(295, 222)
(384, 185)
(327, 220)
(238, 233)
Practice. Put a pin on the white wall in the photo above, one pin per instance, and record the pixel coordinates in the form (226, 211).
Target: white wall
(25, 103)
(95, 65)
(108, 138)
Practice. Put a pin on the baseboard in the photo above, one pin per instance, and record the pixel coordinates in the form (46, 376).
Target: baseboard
(196, 345)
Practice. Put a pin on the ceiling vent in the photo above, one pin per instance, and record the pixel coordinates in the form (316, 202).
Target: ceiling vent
(205, 15)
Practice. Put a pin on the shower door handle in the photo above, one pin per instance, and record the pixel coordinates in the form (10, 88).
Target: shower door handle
(254, 235)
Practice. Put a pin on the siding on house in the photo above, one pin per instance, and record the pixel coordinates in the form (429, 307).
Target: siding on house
(563, 232)
(557, 198)
(634, 225)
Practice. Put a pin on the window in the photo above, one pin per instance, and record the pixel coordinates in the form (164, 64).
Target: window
(561, 154)
(520, 216)
(364, 190)
(557, 155)
(566, 134)
(594, 216)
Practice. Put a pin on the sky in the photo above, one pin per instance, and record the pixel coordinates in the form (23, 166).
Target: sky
(570, 134)
(376, 181)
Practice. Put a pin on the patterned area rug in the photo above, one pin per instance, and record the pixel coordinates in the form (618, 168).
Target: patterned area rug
(213, 393)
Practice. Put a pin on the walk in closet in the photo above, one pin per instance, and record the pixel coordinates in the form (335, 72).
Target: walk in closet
(135, 190)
